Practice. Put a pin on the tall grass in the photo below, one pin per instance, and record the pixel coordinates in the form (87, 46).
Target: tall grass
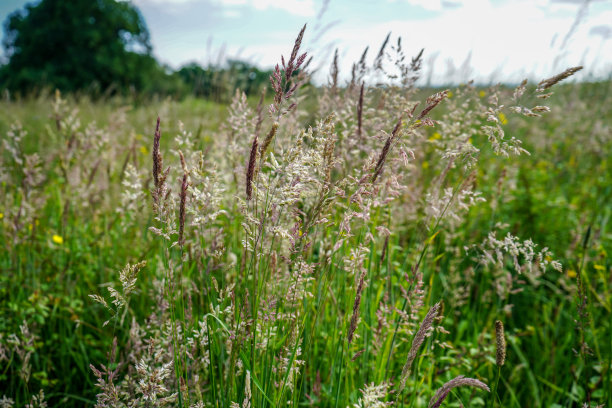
(353, 245)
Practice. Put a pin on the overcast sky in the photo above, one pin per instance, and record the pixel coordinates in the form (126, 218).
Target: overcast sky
(485, 40)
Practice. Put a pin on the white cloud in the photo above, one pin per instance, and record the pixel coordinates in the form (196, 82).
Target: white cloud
(163, 2)
(512, 39)
(303, 8)
(440, 5)
(504, 40)
(434, 5)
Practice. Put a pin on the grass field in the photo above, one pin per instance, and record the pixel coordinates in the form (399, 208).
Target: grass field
(347, 245)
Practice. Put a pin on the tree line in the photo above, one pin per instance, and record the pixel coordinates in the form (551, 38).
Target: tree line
(103, 47)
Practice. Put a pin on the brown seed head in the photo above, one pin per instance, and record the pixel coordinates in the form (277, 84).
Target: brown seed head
(251, 169)
(547, 83)
(500, 340)
(459, 381)
(360, 111)
(266, 143)
(432, 102)
(381, 159)
(417, 341)
(356, 304)
(157, 159)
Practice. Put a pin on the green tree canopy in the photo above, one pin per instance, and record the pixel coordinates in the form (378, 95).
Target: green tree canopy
(78, 44)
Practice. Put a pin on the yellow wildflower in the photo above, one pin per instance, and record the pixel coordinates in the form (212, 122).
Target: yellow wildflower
(143, 150)
(482, 94)
(449, 94)
(571, 273)
(502, 118)
(425, 164)
(58, 239)
(1, 216)
(599, 267)
(435, 136)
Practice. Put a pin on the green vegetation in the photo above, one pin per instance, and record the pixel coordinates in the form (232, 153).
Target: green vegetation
(103, 48)
(76, 45)
(343, 246)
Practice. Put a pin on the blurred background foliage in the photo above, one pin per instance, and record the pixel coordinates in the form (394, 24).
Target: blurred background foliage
(103, 48)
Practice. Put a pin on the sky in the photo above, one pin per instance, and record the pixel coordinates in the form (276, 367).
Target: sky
(487, 41)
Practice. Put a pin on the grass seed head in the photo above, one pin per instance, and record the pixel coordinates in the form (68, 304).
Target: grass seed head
(500, 341)
(419, 337)
(547, 83)
(459, 381)
(251, 169)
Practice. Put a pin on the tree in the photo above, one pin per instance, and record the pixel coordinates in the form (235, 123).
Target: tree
(78, 44)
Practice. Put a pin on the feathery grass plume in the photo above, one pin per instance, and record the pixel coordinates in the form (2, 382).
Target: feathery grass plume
(328, 150)
(384, 249)
(500, 342)
(359, 69)
(417, 341)
(183, 162)
(293, 64)
(385, 151)
(381, 53)
(381, 159)
(38, 400)
(333, 73)
(289, 68)
(356, 304)
(519, 90)
(360, 111)
(157, 159)
(183, 200)
(251, 169)
(373, 396)
(459, 381)
(6, 402)
(547, 83)
(266, 143)
(259, 111)
(415, 66)
(276, 81)
(357, 354)
(128, 277)
(432, 102)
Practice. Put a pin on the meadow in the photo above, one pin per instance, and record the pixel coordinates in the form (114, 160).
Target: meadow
(361, 244)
